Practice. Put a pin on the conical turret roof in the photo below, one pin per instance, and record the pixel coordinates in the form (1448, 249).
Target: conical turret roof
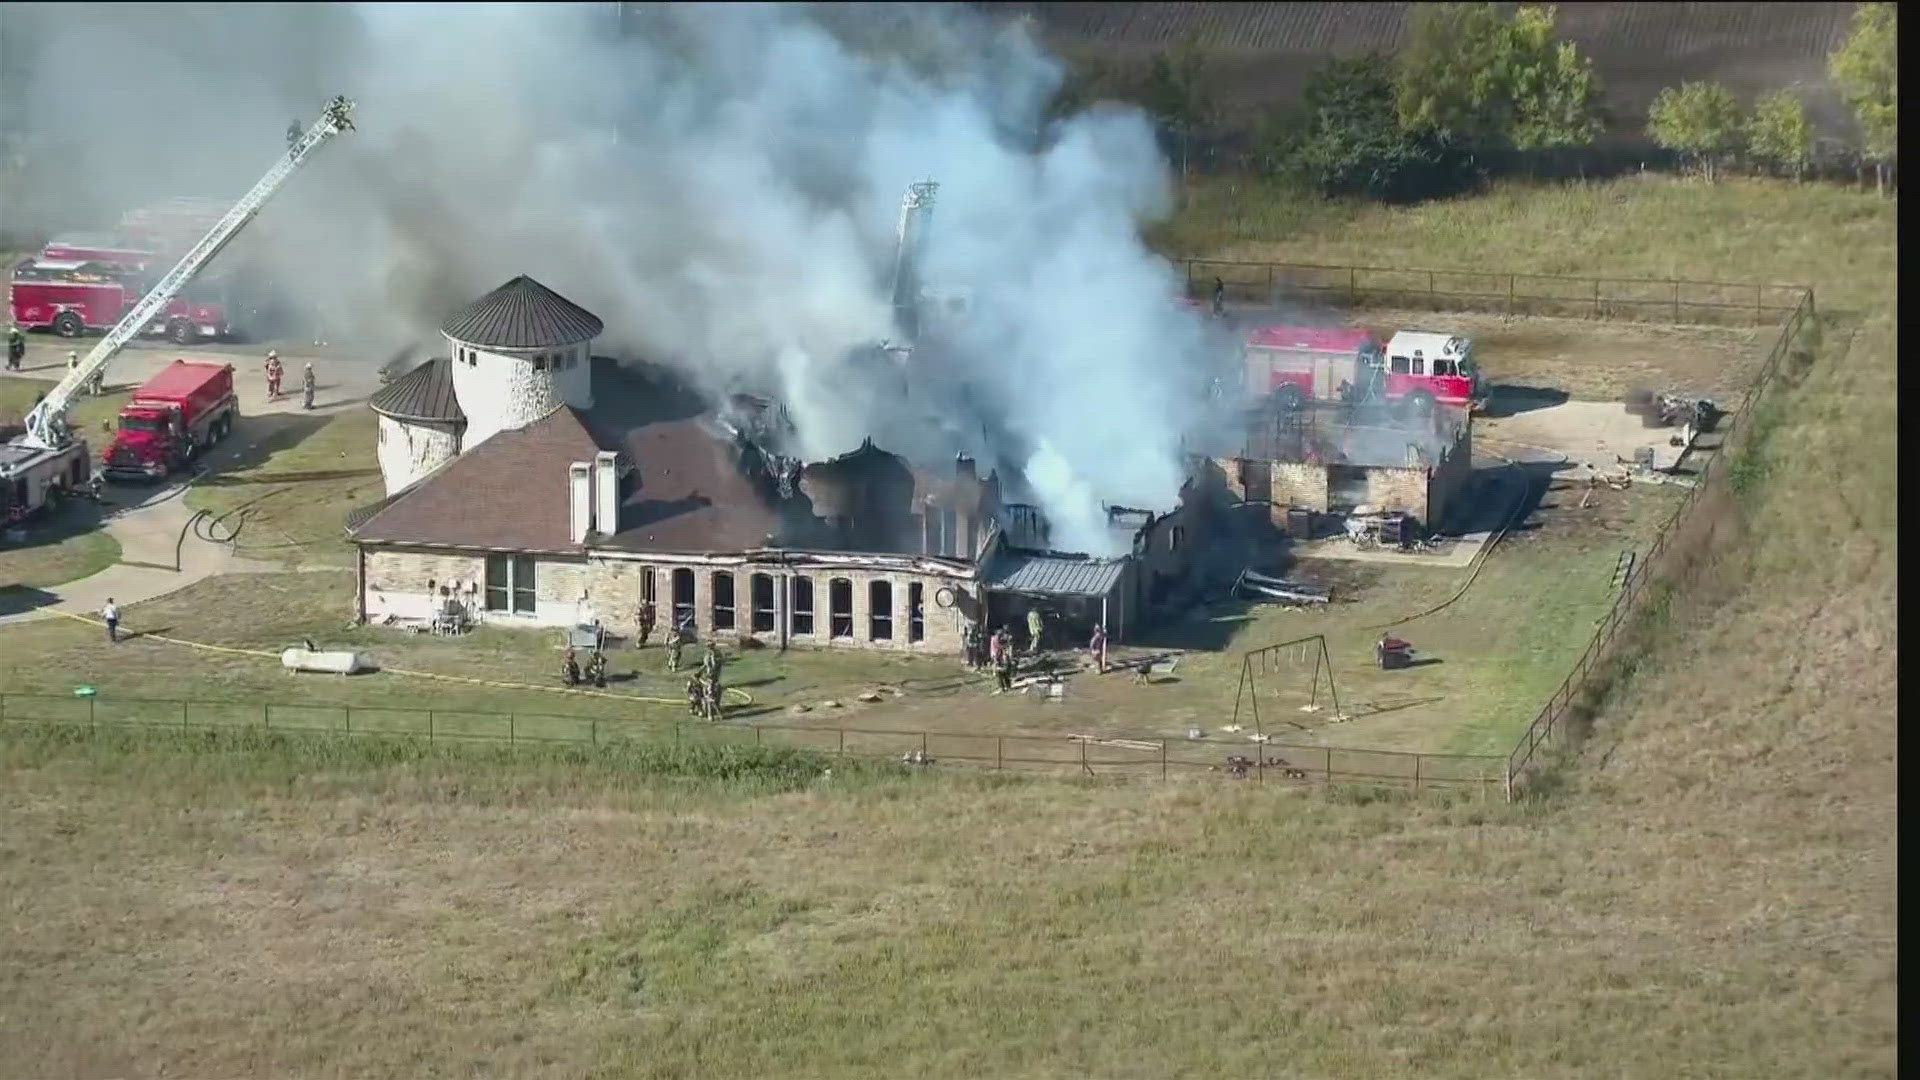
(522, 314)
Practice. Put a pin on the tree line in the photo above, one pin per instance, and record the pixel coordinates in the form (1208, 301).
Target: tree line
(1479, 91)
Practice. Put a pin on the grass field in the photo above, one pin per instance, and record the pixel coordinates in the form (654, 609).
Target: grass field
(288, 481)
(1711, 893)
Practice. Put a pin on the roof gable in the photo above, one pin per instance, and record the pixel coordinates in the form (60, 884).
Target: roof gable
(509, 492)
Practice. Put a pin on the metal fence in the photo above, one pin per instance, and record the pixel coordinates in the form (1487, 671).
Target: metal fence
(1667, 560)
(1648, 300)
(1118, 757)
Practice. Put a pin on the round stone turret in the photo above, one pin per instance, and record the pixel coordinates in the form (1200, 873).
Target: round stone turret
(517, 354)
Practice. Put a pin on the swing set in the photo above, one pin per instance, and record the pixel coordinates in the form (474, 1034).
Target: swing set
(1278, 659)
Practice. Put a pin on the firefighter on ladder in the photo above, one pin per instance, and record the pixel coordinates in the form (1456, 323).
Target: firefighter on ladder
(274, 372)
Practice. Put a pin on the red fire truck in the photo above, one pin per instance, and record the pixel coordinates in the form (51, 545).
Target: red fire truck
(175, 415)
(71, 297)
(1293, 365)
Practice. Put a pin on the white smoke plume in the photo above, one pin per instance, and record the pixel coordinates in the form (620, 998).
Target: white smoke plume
(720, 183)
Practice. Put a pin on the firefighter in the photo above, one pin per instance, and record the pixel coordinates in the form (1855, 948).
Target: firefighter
(1098, 647)
(597, 669)
(970, 646)
(711, 662)
(1003, 671)
(73, 365)
(644, 624)
(16, 347)
(274, 372)
(696, 696)
(306, 387)
(674, 641)
(569, 669)
(1033, 630)
(1219, 297)
(711, 694)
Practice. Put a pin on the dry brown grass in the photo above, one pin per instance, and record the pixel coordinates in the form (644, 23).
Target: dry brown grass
(1711, 893)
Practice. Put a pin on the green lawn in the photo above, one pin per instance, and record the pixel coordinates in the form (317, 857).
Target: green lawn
(288, 481)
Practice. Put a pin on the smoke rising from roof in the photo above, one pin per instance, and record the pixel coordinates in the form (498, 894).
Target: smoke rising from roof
(720, 185)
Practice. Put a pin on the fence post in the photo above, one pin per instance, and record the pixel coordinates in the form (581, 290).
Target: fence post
(676, 736)
(509, 729)
(923, 744)
(756, 734)
(1430, 290)
(266, 716)
(1416, 771)
(1758, 311)
(1511, 306)
(593, 732)
(183, 716)
(1269, 283)
(1084, 767)
(429, 727)
(999, 752)
(348, 709)
(842, 751)
(1163, 759)
(1353, 286)
(1676, 301)
(1596, 298)
(93, 717)
(1260, 756)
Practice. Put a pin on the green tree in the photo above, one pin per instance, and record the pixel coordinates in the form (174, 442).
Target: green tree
(1179, 94)
(1699, 119)
(1473, 77)
(1867, 71)
(1347, 140)
(1779, 133)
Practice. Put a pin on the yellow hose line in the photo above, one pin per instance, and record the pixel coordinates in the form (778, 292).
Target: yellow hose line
(741, 696)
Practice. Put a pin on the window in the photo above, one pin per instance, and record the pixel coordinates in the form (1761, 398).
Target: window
(760, 589)
(683, 597)
(646, 584)
(722, 600)
(916, 612)
(540, 362)
(802, 606)
(510, 583)
(1173, 538)
(880, 610)
(1443, 367)
(1401, 365)
(840, 607)
(950, 532)
(1419, 364)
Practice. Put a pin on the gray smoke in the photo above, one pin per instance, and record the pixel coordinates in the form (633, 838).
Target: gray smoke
(720, 184)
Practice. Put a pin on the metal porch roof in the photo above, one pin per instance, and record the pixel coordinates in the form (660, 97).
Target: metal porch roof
(1052, 575)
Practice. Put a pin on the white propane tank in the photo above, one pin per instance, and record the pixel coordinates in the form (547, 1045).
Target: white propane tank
(332, 663)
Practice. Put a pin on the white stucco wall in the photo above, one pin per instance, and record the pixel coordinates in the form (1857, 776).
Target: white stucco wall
(409, 450)
(500, 391)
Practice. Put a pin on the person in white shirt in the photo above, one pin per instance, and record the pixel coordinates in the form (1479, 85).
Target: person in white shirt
(111, 613)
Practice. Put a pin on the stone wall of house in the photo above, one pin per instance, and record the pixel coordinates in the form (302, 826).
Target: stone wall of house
(1399, 487)
(1296, 483)
(569, 591)
(409, 449)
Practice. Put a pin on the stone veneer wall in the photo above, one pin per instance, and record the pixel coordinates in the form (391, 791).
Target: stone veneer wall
(409, 450)
(570, 590)
(501, 391)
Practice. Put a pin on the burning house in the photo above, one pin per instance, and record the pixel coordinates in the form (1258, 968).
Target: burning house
(532, 483)
(1339, 459)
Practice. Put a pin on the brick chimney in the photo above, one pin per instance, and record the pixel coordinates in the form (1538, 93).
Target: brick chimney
(963, 467)
(606, 493)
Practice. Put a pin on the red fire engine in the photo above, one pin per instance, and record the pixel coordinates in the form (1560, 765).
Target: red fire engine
(72, 297)
(1297, 364)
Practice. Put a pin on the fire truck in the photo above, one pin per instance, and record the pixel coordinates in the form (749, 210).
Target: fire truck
(71, 297)
(104, 248)
(1294, 365)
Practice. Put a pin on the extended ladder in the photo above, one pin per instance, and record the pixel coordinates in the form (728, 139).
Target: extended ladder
(47, 423)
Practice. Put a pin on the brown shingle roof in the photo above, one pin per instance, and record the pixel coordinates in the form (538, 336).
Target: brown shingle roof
(508, 493)
(693, 493)
(522, 314)
(425, 393)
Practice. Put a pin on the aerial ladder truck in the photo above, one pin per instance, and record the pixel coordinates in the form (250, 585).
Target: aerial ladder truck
(50, 459)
